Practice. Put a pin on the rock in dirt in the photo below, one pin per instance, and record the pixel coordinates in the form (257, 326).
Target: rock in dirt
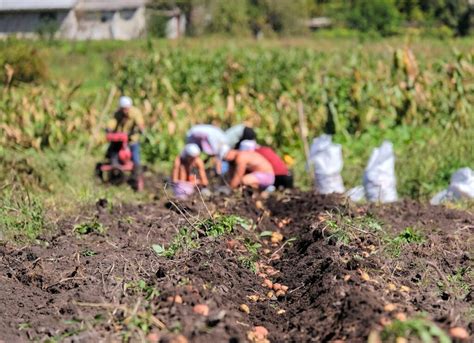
(201, 309)
(244, 308)
(459, 333)
(267, 283)
(153, 337)
(390, 307)
(178, 339)
(215, 319)
(258, 335)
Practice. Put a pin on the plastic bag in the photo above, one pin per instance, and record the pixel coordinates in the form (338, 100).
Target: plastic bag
(380, 183)
(327, 159)
(461, 187)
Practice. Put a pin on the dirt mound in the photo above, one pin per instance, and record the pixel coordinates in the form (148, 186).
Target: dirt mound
(349, 271)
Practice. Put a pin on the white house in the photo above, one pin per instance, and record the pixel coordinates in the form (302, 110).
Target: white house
(74, 19)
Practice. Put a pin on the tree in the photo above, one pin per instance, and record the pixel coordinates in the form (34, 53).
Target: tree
(374, 15)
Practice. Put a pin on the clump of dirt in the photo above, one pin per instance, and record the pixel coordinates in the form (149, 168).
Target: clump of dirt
(342, 265)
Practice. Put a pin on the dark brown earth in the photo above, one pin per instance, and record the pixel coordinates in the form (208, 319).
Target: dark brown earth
(336, 290)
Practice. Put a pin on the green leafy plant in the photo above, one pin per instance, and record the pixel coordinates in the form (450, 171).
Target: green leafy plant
(88, 253)
(185, 239)
(90, 227)
(142, 287)
(418, 328)
(337, 232)
(409, 236)
(249, 261)
(21, 215)
(222, 225)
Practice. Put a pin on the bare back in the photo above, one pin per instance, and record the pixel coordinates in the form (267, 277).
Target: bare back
(254, 162)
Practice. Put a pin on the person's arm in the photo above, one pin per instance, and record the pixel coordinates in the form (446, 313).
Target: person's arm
(139, 121)
(202, 172)
(176, 167)
(240, 167)
(218, 163)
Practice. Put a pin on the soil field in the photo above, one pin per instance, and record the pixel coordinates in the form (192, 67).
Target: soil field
(307, 268)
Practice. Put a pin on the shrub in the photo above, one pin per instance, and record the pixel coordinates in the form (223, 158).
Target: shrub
(21, 62)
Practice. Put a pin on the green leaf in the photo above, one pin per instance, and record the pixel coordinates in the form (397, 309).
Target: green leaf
(158, 249)
(265, 233)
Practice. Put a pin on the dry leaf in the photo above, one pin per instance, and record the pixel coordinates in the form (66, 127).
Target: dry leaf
(389, 307)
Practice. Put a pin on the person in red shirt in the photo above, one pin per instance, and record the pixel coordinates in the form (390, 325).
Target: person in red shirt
(283, 177)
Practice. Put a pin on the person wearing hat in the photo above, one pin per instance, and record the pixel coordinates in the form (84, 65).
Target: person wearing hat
(127, 119)
(249, 168)
(209, 138)
(188, 167)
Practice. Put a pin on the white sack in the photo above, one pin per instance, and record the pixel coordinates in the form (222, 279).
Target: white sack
(356, 194)
(461, 187)
(327, 159)
(380, 182)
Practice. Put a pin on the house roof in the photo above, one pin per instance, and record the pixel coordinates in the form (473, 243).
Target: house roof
(86, 5)
(109, 5)
(33, 5)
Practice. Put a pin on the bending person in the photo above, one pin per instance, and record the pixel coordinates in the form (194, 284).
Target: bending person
(210, 139)
(249, 168)
(188, 167)
(283, 177)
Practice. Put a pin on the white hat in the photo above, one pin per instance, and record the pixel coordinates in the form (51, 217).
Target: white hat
(223, 151)
(125, 102)
(192, 150)
(248, 145)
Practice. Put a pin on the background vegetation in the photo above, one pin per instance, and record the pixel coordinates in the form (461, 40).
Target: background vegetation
(286, 17)
(417, 93)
